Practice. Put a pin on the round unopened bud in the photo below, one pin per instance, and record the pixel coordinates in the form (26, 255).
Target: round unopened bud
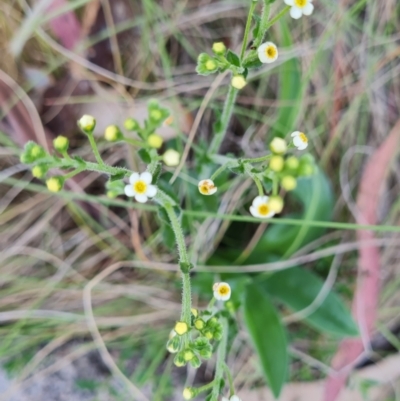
(55, 184)
(278, 146)
(171, 158)
(292, 163)
(155, 114)
(212, 322)
(87, 123)
(211, 65)
(306, 169)
(181, 328)
(199, 324)
(276, 163)
(206, 353)
(288, 183)
(61, 144)
(188, 355)
(173, 344)
(179, 360)
(39, 171)
(155, 141)
(131, 124)
(112, 194)
(188, 393)
(112, 133)
(195, 362)
(219, 48)
(275, 203)
(238, 82)
(195, 312)
(208, 334)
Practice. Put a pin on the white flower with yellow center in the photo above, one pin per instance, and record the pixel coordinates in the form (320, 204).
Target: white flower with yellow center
(300, 7)
(207, 187)
(267, 52)
(222, 291)
(140, 187)
(261, 208)
(300, 140)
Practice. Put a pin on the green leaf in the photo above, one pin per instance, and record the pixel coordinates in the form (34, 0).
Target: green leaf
(233, 58)
(268, 335)
(289, 88)
(117, 177)
(145, 156)
(297, 288)
(254, 62)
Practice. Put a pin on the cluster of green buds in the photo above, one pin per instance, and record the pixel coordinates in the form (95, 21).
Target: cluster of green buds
(205, 327)
(149, 139)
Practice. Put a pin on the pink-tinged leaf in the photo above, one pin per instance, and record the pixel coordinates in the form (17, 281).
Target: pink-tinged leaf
(365, 303)
(65, 27)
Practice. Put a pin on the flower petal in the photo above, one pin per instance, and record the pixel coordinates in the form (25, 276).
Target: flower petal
(308, 9)
(289, 2)
(129, 190)
(151, 191)
(295, 133)
(258, 200)
(254, 211)
(235, 398)
(133, 178)
(146, 177)
(141, 198)
(296, 12)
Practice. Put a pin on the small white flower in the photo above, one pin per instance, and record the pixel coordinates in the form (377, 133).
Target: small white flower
(140, 187)
(300, 7)
(222, 291)
(267, 52)
(207, 187)
(300, 140)
(260, 207)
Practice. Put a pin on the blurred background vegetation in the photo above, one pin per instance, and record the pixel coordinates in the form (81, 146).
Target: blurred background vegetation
(337, 78)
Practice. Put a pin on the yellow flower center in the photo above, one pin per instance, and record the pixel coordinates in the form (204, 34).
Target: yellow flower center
(206, 188)
(223, 290)
(270, 51)
(263, 209)
(303, 137)
(300, 3)
(140, 187)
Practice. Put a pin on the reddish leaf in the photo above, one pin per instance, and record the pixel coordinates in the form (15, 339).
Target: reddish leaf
(365, 301)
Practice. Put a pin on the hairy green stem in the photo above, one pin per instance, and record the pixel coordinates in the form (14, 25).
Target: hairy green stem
(206, 387)
(223, 168)
(247, 29)
(258, 159)
(264, 23)
(135, 142)
(225, 118)
(276, 18)
(230, 380)
(221, 355)
(183, 258)
(95, 149)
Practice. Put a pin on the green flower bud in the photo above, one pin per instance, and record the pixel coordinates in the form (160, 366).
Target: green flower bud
(199, 324)
(131, 124)
(275, 203)
(278, 146)
(112, 133)
(55, 184)
(206, 353)
(155, 141)
(181, 328)
(206, 64)
(288, 183)
(179, 360)
(195, 362)
(188, 355)
(189, 393)
(61, 144)
(87, 123)
(174, 344)
(292, 163)
(238, 82)
(219, 48)
(32, 152)
(39, 171)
